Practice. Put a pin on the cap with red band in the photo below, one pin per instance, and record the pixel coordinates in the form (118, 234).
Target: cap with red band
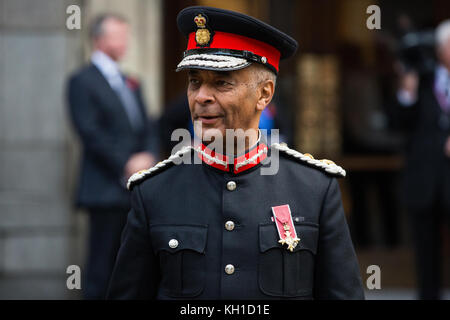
(224, 40)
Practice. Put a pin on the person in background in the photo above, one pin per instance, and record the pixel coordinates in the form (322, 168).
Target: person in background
(118, 138)
(425, 105)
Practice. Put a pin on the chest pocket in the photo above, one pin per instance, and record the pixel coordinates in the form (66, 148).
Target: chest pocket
(283, 273)
(181, 253)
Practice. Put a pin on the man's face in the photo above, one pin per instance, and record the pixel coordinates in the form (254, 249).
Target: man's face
(223, 100)
(114, 40)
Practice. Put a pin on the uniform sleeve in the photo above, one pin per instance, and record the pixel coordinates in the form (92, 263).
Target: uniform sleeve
(337, 274)
(135, 274)
(86, 120)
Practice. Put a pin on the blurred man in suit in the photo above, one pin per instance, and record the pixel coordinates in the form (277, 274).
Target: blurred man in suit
(425, 104)
(118, 139)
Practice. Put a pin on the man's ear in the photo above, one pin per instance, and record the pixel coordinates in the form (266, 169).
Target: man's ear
(266, 90)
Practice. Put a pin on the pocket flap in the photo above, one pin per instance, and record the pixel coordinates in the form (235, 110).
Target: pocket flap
(307, 232)
(188, 237)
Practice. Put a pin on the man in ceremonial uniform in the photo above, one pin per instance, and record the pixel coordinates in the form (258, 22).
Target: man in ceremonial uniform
(227, 228)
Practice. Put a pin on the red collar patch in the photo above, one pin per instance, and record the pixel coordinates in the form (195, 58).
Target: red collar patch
(238, 164)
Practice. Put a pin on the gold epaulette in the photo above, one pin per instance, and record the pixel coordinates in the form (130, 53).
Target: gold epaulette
(324, 164)
(142, 175)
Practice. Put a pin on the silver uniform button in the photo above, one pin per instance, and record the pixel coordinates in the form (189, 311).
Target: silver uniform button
(229, 269)
(231, 185)
(173, 243)
(229, 225)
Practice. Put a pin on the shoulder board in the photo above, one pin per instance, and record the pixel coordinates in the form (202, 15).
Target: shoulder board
(324, 164)
(142, 175)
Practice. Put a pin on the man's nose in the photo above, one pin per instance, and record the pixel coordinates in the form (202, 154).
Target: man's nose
(204, 95)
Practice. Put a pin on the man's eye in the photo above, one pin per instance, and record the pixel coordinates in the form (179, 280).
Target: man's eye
(222, 83)
(194, 81)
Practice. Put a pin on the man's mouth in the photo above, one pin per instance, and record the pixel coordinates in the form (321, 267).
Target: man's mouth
(208, 119)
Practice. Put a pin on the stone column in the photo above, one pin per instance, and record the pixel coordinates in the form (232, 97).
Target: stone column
(36, 51)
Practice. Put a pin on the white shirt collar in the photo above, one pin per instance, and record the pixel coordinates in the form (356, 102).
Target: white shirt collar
(108, 67)
(442, 78)
(442, 75)
(442, 71)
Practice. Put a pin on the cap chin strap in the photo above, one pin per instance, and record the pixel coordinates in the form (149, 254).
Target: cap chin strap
(241, 54)
(213, 61)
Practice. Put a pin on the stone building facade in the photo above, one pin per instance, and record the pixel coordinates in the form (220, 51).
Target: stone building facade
(40, 232)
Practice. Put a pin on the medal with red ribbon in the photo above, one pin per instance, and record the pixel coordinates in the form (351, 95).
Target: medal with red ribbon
(285, 226)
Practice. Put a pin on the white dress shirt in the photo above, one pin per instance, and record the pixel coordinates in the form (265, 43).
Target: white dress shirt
(110, 70)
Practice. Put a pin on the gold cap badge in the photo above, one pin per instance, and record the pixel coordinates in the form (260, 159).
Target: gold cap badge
(202, 35)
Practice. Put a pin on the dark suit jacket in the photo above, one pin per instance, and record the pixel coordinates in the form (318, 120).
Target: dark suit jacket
(191, 203)
(107, 137)
(427, 172)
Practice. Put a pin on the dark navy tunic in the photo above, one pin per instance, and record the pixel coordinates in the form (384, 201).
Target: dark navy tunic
(196, 231)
